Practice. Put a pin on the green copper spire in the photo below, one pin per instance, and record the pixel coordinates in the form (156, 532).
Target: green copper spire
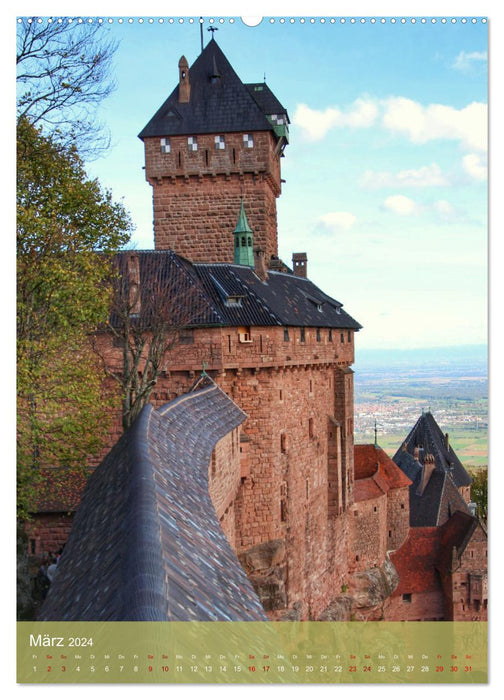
(243, 240)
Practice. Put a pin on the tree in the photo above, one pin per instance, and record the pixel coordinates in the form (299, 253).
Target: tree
(63, 73)
(479, 491)
(155, 302)
(67, 231)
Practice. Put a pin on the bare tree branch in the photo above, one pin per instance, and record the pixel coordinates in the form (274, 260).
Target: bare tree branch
(154, 303)
(63, 74)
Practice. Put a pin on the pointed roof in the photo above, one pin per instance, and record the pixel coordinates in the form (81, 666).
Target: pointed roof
(430, 439)
(220, 105)
(435, 498)
(243, 225)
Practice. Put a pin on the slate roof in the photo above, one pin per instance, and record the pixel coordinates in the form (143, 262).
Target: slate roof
(428, 436)
(146, 543)
(223, 106)
(439, 499)
(201, 293)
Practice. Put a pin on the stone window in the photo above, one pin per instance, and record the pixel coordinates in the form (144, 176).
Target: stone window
(192, 143)
(311, 432)
(286, 335)
(406, 597)
(165, 145)
(186, 336)
(283, 443)
(342, 337)
(349, 336)
(302, 335)
(248, 140)
(329, 335)
(220, 143)
(318, 336)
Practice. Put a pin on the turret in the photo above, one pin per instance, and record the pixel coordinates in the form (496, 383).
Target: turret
(243, 240)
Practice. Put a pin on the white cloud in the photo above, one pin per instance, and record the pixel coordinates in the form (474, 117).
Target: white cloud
(426, 176)
(316, 123)
(465, 61)
(335, 221)
(399, 204)
(475, 166)
(421, 124)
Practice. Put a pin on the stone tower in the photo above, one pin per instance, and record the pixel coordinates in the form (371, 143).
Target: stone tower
(213, 143)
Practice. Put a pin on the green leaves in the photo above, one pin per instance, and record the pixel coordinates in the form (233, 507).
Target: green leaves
(67, 229)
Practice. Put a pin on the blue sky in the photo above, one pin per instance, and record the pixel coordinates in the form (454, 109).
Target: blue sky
(385, 174)
(386, 186)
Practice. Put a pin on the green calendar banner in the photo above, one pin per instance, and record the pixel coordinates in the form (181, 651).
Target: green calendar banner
(252, 652)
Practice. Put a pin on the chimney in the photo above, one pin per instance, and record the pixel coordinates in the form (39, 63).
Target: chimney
(416, 453)
(260, 267)
(447, 441)
(184, 84)
(299, 264)
(428, 468)
(404, 447)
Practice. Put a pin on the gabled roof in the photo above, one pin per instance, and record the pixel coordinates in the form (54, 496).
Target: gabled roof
(430, 439)
(220, 106)
(146, 543)
(199, 292)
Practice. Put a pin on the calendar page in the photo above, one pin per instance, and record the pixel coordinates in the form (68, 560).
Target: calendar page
(252, 350)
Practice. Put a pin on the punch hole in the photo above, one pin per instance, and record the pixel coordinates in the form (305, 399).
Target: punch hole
(252, 21)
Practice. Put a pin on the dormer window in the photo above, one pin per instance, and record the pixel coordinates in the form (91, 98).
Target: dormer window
(233, 301)
(165, 145)
(248, 141)
(220, 143)
(192, 143)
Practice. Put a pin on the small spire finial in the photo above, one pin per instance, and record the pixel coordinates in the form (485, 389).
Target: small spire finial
(203, 369)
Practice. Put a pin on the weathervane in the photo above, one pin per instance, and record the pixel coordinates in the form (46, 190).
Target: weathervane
(212, 29)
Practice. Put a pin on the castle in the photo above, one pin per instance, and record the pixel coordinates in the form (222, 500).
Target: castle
(321, 527)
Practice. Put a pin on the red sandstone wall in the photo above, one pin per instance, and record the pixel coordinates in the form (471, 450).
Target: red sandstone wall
(289, 390)
(467, 588)
(206, 187)
(224, 474)
(397, 517)
(424, 606)
(368, 524)
(47, 533)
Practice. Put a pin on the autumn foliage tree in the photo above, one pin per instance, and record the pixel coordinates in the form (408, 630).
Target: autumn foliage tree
(67, 230)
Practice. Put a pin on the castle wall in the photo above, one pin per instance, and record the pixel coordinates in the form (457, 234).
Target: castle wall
(48, 532)
(205, 187)
(397, 517)
(423, 606)
(466, 589)
(368, 533)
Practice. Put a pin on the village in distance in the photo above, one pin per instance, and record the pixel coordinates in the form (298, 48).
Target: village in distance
(393, 387)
